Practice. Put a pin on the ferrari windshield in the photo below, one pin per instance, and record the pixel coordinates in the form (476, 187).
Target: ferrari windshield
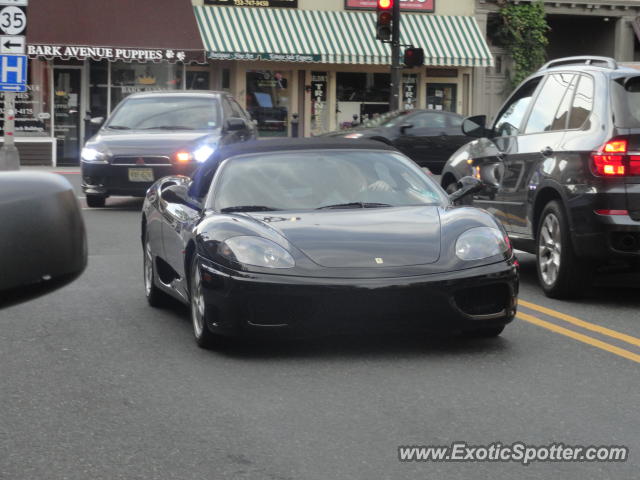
(167, 113)
(322, 179)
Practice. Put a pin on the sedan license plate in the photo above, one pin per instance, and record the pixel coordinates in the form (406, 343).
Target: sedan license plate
(141, 174)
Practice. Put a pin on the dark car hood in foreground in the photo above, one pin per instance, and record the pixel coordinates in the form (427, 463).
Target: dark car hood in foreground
(358, 238)
(151, 142)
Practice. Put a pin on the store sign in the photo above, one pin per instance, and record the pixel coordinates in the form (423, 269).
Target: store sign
(319, 86)
(409, 91)
(274, 57)
(113, 54)
(254, 3)
(31, 119)
(409, 5)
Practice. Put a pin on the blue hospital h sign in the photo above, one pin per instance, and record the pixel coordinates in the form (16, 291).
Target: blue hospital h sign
(13, 73)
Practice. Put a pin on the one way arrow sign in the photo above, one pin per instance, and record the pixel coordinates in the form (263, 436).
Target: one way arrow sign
(12, 45)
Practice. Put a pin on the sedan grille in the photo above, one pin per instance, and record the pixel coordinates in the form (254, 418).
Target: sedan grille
(142, 161)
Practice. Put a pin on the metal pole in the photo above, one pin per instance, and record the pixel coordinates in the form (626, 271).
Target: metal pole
(9, 156)
(396, 68)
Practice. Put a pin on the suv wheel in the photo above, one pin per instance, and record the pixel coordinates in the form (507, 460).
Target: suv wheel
(561, 273)
(96, 201)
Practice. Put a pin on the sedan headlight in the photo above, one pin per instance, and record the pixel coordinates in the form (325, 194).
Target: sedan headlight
(354, 135)
(256, 251)
(203, 153)
(93, 155)
(482, 242)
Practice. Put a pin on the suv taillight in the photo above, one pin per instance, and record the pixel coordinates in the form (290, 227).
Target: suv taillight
(613, 160)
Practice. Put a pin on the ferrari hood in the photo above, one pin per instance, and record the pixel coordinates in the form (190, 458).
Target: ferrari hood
(357, 238)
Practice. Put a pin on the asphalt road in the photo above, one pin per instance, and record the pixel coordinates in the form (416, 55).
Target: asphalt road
(97, 385)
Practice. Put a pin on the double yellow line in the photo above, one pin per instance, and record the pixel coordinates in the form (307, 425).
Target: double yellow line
(579, 336)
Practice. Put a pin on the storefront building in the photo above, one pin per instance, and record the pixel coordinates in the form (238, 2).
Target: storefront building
(316, 66)
(87, 56)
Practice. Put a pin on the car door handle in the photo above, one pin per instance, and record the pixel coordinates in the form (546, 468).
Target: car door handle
(547, 152)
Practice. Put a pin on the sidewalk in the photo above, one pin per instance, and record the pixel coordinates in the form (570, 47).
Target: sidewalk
(45, 168)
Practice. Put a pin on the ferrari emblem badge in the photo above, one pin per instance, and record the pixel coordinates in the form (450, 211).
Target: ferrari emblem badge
(379, 261)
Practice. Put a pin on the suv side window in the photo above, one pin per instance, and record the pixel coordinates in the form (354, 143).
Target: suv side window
(508, 124)
(562, 115)
(547, 103)
(582, 103)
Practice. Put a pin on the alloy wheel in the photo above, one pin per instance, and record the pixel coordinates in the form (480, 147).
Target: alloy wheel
(148, 268)
(197, 303)
(550, 249)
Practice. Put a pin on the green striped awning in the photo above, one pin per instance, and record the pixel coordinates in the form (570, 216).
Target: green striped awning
(283, 34)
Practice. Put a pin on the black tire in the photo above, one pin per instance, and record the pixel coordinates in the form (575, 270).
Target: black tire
(96, 201)
(489, 332)
(198, 310)
(560, 272)
(155, 297)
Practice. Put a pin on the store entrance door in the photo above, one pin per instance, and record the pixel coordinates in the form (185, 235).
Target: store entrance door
(67, 128)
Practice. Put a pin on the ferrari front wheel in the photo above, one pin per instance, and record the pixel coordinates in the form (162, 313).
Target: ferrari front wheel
(203, 336)
(155, 297)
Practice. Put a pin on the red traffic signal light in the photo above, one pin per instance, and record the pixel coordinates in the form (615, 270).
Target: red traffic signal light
(414, 57)
(384, 20)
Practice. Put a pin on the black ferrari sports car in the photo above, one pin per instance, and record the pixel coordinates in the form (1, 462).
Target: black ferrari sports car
(310, 236)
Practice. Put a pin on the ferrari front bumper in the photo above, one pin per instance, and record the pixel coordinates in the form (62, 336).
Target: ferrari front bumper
(467, 300)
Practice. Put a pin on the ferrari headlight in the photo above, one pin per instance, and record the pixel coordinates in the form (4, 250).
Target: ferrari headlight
(256, 251)
(481, 242)
(203, 153)
(92, 155)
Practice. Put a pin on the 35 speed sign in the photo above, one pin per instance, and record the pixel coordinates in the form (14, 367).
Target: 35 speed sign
(13, 20)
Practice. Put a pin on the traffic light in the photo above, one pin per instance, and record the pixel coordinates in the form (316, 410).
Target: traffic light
(414, 57)
(384, 20)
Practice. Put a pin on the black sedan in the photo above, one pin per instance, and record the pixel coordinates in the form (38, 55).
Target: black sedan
(301, 237)
(152, 135)
(428, 137)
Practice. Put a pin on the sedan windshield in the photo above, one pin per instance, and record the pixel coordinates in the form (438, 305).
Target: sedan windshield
(167, 113)
(327, 179)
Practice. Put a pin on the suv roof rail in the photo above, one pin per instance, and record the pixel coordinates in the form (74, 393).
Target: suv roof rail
(582, 60)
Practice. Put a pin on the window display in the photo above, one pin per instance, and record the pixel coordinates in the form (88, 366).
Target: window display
(268, 100)
(128, 78)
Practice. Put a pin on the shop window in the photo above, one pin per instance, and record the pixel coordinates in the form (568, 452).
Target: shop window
(98, 88)
(442, 96)
(268, 101)
(361, 96)
(128, 78)
(226, 79)
(363, 87)
(198, 79)
(33, 107)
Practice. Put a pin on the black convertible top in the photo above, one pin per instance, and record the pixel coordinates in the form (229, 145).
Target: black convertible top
(287, 144)
(203, 176)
